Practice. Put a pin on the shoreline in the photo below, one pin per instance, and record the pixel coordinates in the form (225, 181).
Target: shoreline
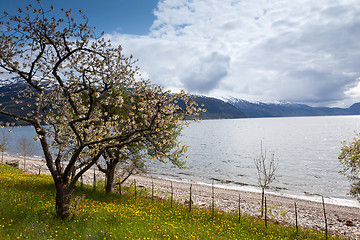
(349, 202)
(311, 198)
(342, 220)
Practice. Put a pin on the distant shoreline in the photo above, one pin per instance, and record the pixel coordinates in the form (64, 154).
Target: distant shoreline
(282, 207)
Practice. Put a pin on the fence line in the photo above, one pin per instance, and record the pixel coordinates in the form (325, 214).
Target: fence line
(211, 206)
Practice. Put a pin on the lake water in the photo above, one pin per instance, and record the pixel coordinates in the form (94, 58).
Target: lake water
(307, 150)
(223, 151)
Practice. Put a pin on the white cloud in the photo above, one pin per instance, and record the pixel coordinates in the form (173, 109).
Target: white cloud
(206, 73)
(301, 50)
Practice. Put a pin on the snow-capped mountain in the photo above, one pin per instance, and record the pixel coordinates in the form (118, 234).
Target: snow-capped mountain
(18, 83)
(286, 109)
(12, 84)
(216, 108)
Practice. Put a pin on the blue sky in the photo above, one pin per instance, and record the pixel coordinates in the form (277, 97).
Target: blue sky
(122, 16)
(267, 50)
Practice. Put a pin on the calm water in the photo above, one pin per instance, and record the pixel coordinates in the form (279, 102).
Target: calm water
(223, 151)
(306, 148)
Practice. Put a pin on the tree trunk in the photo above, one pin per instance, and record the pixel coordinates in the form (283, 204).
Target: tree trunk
(262, 201)
(63, 197)
(110, 176)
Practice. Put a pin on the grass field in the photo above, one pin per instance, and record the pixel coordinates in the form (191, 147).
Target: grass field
(27, 212)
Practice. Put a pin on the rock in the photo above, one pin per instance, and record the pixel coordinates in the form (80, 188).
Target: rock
(14, 164)
(202, 204)
(349, 223)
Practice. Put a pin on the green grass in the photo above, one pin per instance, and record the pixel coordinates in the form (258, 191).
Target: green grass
(27, 212)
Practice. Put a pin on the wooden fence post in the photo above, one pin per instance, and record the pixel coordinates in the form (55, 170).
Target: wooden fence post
(190, 199)
(172, 194)
(212, 199)
(326, 227)
(135, 188)
(239, 209)
(296, 219)
(152, 190)
(120, 187)
(94, 181)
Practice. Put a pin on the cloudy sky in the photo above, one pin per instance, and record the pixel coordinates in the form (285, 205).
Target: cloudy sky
(268, 50)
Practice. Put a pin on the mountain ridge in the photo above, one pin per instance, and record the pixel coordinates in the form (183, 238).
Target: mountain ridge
(9, 89)
(260, 109)
(225, 108)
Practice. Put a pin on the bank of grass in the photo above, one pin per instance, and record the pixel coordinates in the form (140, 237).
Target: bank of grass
(27, 212)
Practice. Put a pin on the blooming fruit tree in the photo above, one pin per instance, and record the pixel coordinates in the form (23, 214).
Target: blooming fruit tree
(82, 96)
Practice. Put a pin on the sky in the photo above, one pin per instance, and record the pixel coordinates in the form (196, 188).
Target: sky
(301, 51)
